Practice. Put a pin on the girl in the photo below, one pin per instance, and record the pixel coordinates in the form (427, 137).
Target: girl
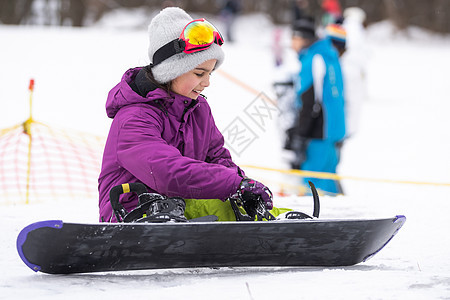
(163, 133)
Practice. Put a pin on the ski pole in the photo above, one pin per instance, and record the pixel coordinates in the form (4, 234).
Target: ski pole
(27, 131)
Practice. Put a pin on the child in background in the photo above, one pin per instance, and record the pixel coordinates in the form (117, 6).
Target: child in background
(319, 131)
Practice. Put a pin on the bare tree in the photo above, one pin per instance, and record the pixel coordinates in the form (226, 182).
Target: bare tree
(430, 14)
(15, 12)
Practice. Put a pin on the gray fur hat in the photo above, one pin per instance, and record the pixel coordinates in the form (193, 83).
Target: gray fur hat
(167, 26)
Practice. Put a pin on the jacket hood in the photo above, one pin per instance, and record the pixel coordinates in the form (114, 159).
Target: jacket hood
(122, 94)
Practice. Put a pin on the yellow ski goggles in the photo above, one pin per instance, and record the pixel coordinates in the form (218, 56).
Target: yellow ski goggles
(199, 35)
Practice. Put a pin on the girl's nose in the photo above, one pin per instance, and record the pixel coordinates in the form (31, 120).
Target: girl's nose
(205, 81)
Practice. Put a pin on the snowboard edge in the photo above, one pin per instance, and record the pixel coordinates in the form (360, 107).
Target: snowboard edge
(398, 219)
(22, 237)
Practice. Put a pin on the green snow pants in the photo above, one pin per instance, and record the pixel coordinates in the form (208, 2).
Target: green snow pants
(203, 207)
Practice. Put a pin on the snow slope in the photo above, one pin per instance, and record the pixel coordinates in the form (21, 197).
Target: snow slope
(403, 135)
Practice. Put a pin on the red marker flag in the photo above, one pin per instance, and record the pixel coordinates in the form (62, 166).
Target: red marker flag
(31, 86)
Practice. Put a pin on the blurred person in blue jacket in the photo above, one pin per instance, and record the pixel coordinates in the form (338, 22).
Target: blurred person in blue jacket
(319, 130)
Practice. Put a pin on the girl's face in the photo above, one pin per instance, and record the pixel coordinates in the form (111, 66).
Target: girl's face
(192, 83)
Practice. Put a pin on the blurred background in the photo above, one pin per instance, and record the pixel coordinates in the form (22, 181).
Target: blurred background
(432, 14)
(77, 50)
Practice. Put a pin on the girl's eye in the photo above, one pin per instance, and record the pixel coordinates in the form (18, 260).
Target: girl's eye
(199, 74)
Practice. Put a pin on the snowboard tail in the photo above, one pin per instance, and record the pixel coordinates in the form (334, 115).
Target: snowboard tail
(56, 247)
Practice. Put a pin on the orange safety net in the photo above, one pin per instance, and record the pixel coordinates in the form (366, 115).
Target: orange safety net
(40, 163)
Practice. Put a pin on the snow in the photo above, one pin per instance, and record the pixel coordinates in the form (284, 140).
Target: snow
(403, 136)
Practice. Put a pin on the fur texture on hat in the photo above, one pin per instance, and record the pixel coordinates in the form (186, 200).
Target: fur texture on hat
(167, 26)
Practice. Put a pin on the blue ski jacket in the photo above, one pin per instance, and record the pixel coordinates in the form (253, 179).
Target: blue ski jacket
(320, 95)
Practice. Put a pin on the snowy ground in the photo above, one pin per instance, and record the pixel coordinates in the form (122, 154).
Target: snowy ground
(403, 135)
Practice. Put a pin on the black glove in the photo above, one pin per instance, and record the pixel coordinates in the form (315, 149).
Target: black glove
(251, 192)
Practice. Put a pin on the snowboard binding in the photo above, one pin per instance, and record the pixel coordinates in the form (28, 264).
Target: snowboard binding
(260, 213)
(152, 208)
(257, 213)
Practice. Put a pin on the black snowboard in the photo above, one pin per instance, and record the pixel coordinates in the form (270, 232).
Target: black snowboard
(61, 248)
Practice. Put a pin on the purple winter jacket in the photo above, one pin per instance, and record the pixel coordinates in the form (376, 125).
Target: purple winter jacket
(166, 143)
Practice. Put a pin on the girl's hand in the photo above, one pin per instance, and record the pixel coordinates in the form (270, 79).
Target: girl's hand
(250, 191)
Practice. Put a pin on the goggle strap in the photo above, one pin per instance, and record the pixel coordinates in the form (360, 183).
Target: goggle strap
(171, 48)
